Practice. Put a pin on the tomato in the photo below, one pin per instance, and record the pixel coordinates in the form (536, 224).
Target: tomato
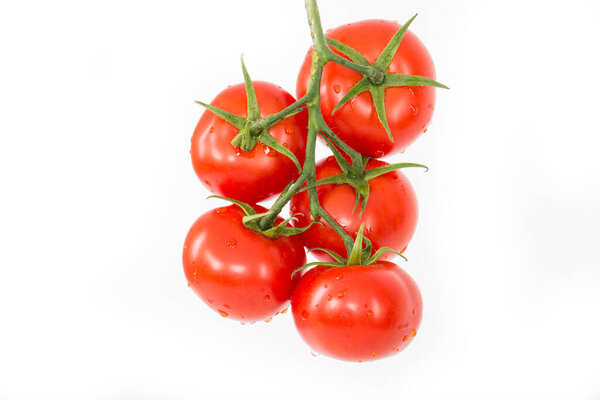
(238, 272)
(357, 313)
(390, 216)
(408, 109)
(257, 174)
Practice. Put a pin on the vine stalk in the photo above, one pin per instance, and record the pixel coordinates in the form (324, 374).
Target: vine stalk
(321, 55)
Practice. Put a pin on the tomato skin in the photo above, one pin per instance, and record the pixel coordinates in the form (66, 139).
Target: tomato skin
(408, 109)
(357, 313)
(240, 273)
(390, 216)
(260, 173)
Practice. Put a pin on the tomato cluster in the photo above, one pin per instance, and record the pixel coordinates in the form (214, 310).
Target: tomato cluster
(247, 263)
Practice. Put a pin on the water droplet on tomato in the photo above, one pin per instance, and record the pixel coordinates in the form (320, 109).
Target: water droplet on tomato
(237, 153)
(305, 314)
(267, 297)
(359, 361)
(269, 319)
(405, 338)
(370, 314)
(227, 306)
(195, 275)
(252, 322)
(373, 354)
(270, 152)
(232, 243)
(338, 277)
(223, 314)
(189, 284)
(402, 151)
(336, 88)
(325, 286)
(329, 297)
(210, 301)
(284, 310)
(211, 130)
(243, 322)
(342, 293)
(222, 210)
(314, 353)
(425, 131)
(413, 109)
(379, 153)
(411, 91)
(288, 130)
(413, 332)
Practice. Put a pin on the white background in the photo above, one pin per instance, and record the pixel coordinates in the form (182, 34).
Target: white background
(97, 194)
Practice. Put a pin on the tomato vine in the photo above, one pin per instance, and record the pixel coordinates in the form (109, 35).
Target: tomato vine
(256, 140)
(375, 80)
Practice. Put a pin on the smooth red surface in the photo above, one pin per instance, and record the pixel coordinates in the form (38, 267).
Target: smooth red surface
(257, 174)
(357, 313)
(238, 272)
(409, 109)
(390, 216)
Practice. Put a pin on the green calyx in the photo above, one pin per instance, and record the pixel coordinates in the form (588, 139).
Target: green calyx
(358, 256)
(356, 176)
(376, 78)
(252, 221)
(253, 129)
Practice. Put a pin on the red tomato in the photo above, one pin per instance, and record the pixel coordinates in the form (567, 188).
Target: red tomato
(236, 271)
(260, 173)
(408, 109)
(390, 216)
(357, 313)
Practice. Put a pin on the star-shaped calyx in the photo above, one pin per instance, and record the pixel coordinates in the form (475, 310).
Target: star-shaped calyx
(252, 129)
(357, 178)
(358, 256)
(378, 82)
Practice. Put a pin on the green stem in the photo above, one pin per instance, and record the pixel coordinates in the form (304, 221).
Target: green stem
(272, 119)
(316, 210)
(321, 55)
(283, 199)
(356, 169)
(316, 29)
(369, 71)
